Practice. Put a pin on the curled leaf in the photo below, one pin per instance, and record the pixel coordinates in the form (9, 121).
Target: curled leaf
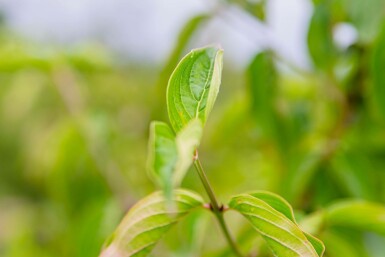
(170, 156)
(193, 86)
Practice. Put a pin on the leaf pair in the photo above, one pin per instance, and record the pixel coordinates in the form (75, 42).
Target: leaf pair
(273, 218)
(191, 93)
(269, 214)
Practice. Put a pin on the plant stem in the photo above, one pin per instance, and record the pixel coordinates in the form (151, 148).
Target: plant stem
(217, 210)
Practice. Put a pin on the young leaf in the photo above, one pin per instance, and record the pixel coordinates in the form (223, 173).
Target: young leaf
(357, 214)
(170, 157)
(162, 155)
(193, 86)
(146, 222)
(273, 218)
(187, 140)
(184, 38)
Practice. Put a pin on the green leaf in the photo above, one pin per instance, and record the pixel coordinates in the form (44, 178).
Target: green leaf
(193, 86)
(256, 8)
(366, 17)
(352, 172)
(320, 38)
(162, 155)
(357, 214)
(263, 84)
(146, 222)
(187, 140)
(170, 156)
(273, 218)
(378, 63)
(301, 169)
(338, 245)
(184, 38)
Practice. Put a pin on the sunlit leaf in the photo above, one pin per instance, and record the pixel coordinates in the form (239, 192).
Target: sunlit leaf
(193, 86)
(146, 222)
(273, 218)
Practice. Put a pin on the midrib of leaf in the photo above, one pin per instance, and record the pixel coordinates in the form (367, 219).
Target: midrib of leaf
(280, 242)
(302, 241)
(149, 229)
(189, 87)
(249, 201)
(279, 227)
(209, 75)
(152, 202)
(132, 253)
(149, 215)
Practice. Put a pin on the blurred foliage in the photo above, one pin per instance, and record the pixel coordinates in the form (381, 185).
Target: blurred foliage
(74, 130)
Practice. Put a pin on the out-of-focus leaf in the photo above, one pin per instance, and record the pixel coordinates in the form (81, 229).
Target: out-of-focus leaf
(320, 38)
(256, 8)
(366, 17)
(193, 86)
(313, 223)
(170, 157)
(262, 78)
(162, 155)
(354, 175)
(378, 63)
(273, 218)
(337, 245)
(301, 171)
(146, 222)
(361, 215)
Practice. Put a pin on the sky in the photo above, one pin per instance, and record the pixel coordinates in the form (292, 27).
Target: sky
(146, 30)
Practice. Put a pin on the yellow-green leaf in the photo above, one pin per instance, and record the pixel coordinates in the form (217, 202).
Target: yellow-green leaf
(146, 222)
(170, 156)
(187, 140)
(273, 218)
(162, 155)
(356, 214)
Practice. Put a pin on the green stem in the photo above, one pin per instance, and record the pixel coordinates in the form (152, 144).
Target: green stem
(217, 210)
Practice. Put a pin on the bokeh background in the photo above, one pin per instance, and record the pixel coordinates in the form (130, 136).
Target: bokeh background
(301, 112)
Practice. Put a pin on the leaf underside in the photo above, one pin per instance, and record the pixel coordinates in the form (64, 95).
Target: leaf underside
(146, 222)
(273, 218)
